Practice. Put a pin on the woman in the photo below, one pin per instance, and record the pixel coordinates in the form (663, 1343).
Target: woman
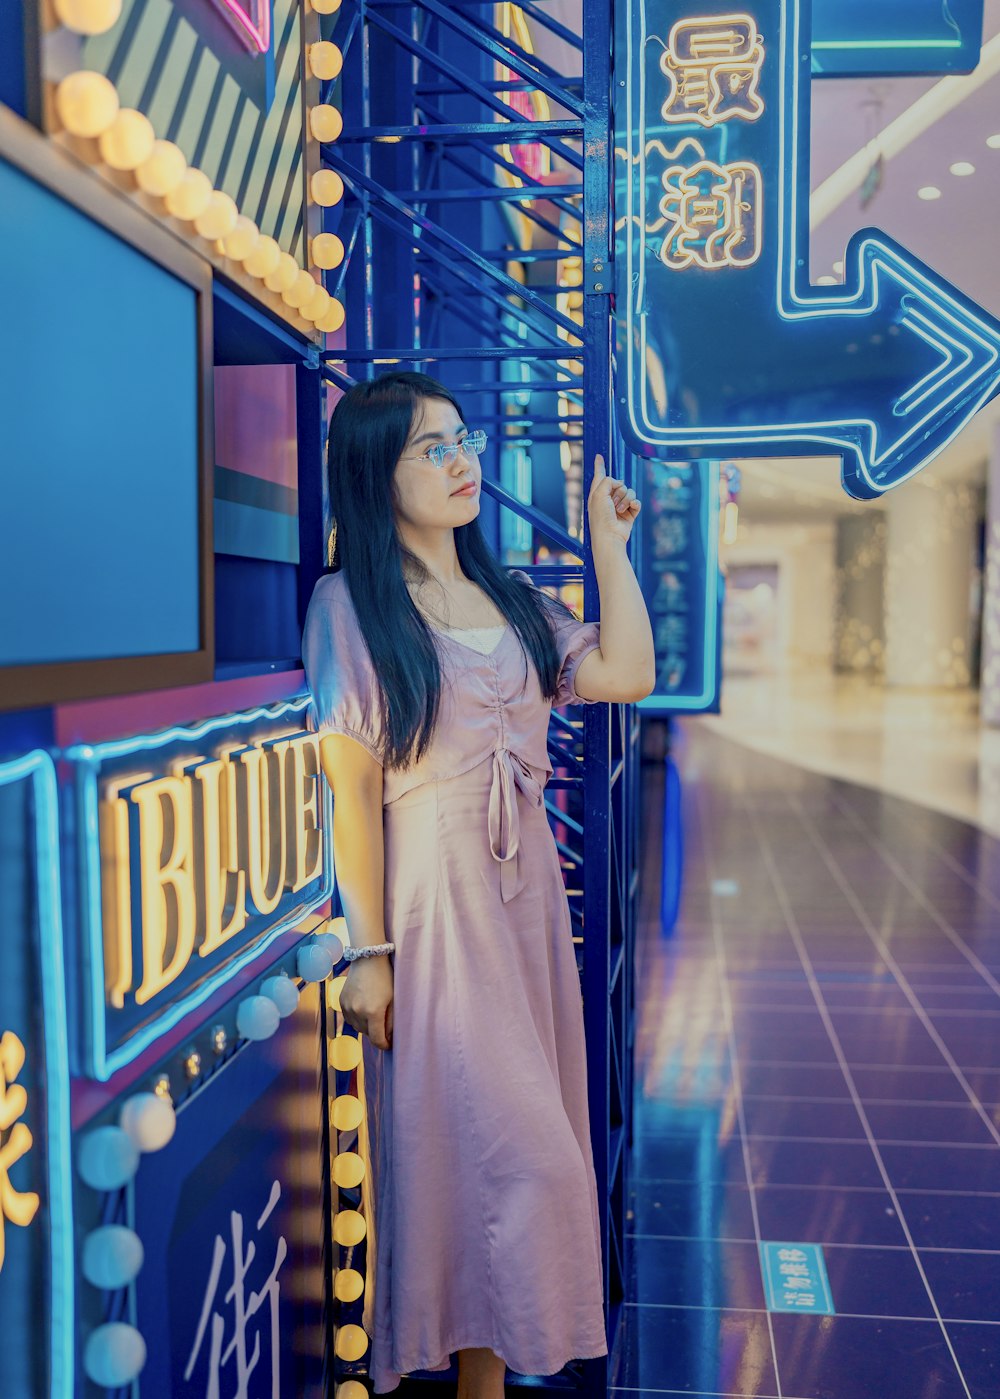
(433, 671)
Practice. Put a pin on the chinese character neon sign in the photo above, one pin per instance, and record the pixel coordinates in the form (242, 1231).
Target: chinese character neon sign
(711, 257)
(713, 68)
(16, 1206)
(713, 215)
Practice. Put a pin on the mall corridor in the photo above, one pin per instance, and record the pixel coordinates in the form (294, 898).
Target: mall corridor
(817, 1063)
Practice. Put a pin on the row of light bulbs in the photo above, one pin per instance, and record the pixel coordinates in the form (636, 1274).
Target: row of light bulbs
(88, 107)
(348, 1171)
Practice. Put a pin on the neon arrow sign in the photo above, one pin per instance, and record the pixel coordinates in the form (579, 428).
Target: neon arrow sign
(724, 344)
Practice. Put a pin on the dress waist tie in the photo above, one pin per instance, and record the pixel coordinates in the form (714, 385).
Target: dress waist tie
(509, 773)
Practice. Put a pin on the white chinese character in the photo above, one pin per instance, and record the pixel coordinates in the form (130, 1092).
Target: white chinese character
(791, 1255)
(244, 1309)
(793, 1270)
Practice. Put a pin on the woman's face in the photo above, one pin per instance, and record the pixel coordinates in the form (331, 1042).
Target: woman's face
(425, 494)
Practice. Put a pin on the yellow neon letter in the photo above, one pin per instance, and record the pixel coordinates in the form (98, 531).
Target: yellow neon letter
(220, 889)
(168, 904)
(305, 836)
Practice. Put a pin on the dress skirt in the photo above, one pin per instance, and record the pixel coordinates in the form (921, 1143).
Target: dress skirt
(486, 1226)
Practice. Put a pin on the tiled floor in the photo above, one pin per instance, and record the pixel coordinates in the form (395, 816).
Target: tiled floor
(817, 1061)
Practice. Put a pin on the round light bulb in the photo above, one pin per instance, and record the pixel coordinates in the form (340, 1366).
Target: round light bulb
(327, 188)
(149, 1120)
(242, 240)
(296, 296)
(162, 170)
(326, 7)
(345, 1052)
(325, 122)
(263, 257)
(283, 275)
(348, 1285)
(351, 1342)
(327, 251)
(114, 1354)
(325, 60)
(994, 142)
(257, 1018)
(88, 16)
(346, 1112)
(107, 1158)
(348, 1169)
(350, 1389)
(349, 1228)
(128, 141)
(218, 218)
(331, 319)
(928, 192)
(962, 167)
(312, 310)
(314, 962)
(283, 992)
(190, 196)
(112, 1257)
(87, 103)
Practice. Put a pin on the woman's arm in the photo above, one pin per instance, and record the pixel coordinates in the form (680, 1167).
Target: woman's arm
(359, 860)
(624, 668)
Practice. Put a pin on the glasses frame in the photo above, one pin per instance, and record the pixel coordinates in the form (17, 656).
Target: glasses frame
(444, 453)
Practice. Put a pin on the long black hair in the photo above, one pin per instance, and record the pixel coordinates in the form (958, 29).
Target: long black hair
(369, 429)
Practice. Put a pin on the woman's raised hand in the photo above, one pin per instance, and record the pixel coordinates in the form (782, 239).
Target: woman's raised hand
(612, 507)
(366, 999)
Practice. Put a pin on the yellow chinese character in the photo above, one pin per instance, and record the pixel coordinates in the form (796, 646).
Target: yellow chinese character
(713, 67)
(15, 1138)
(713, 215)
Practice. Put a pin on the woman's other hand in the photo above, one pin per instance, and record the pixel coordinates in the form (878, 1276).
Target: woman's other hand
(366, 999)
(612, 507)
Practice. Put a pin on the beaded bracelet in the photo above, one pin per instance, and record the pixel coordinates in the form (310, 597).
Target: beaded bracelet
(351, 954)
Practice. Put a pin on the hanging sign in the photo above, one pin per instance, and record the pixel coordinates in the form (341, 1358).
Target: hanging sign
(680, 582)
(724, 344)
(854, 38)
(197, 847)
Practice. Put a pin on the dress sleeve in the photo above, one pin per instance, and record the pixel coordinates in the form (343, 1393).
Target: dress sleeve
(339, 673)
(573, 639)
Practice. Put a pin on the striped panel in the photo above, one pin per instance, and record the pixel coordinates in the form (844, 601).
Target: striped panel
(237, 117)
(256, 472)
(255, 534)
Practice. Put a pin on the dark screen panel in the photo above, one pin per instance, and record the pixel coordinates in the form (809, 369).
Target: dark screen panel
(99, 529)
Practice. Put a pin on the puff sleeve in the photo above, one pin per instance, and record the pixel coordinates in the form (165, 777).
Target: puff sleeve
(339, 672)
(573, 639)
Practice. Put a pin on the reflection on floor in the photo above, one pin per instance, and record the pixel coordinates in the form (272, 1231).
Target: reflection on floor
(926, 745)
(817, 1062)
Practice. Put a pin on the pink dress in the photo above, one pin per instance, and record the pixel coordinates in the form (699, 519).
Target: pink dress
(486, 1226)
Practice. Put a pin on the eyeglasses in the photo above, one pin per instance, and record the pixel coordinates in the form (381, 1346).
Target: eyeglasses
(441, 454)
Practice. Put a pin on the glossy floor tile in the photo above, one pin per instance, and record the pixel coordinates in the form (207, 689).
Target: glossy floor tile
(817, 1061)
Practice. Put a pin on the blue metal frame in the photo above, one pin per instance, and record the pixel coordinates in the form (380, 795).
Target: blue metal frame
(419, 157)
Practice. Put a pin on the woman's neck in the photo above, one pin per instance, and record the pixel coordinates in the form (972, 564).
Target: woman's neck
(438, 556)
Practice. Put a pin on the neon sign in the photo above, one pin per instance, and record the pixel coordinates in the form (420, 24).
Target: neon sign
(251, 20)
(724, 345)
(191, 870)
(37, 1263)
(713, 67)
(16, 1206)
(680, 580)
